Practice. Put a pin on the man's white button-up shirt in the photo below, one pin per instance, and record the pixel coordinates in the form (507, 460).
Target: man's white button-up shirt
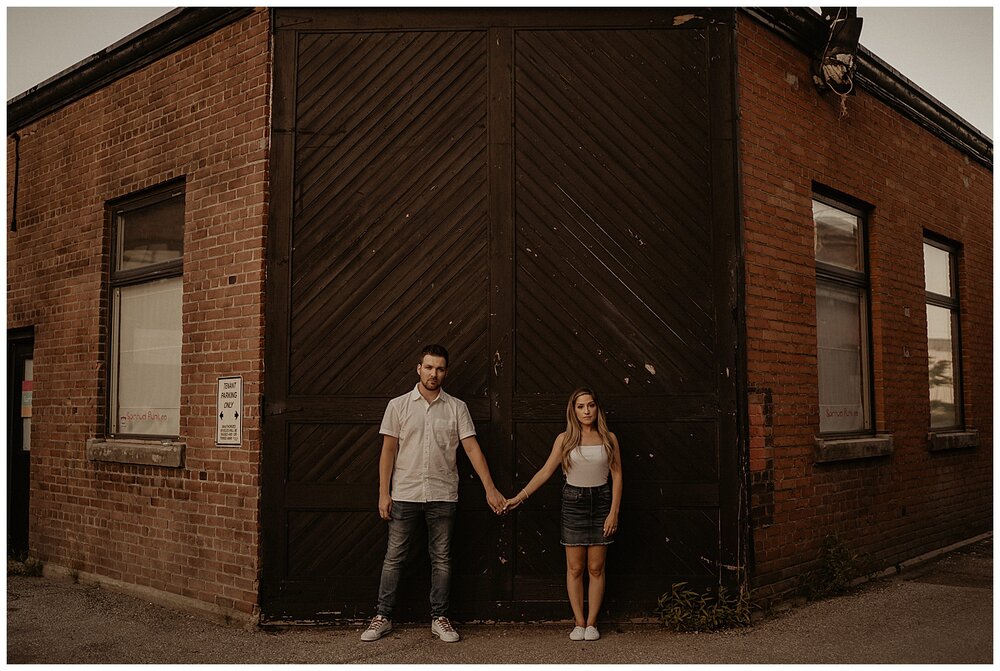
(429, 435)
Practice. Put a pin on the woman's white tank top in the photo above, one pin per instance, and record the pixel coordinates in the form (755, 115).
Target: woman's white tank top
(588, 466)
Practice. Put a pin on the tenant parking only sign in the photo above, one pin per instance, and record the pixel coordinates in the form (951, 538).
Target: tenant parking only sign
(229, 430)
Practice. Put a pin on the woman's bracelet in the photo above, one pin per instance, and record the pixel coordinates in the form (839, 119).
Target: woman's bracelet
(524, 491)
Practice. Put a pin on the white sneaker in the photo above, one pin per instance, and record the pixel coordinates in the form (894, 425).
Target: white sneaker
(379, 627)
(577, 634)
(441, 627)
(591, 634)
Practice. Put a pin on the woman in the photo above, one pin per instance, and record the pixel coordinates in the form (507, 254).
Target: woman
(588, 453)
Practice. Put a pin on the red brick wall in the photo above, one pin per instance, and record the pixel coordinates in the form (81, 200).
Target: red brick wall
(913, 501)
(201, 113)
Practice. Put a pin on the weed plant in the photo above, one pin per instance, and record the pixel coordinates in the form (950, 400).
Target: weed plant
(683, 609)
(30, 567)
(838, 567)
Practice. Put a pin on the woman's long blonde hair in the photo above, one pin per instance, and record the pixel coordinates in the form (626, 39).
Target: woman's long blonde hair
(574, 430)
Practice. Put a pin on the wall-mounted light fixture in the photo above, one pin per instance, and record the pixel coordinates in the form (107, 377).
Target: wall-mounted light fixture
(834, 71)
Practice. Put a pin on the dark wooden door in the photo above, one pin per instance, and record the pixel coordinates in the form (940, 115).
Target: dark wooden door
(549, 194)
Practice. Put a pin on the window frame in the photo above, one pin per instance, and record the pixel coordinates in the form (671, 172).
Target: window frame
(118, 279)
(953, 305)
(851, 279)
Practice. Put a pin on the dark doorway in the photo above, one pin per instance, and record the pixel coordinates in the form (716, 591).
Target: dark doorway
(20, 344)
(550, 194)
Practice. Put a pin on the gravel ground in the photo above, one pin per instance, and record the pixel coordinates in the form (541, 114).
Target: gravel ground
(940, 612)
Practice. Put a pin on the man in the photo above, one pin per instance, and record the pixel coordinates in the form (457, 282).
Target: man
(421, 431)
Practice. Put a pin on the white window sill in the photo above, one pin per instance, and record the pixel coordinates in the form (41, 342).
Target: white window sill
(133, 451)
(843, 449)
(938, 441)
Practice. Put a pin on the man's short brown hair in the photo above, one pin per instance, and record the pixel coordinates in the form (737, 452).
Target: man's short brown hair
(435, 350)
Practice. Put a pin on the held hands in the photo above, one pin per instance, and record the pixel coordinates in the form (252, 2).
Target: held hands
(496, 500)
(515, 502)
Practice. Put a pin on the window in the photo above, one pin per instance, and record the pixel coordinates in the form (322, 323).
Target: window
(147, 247)
(941, 282)
(843, 350)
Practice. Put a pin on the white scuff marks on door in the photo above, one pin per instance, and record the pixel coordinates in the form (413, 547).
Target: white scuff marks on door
(626, 380)
(684, 18)
(649, 367)
(607, 268)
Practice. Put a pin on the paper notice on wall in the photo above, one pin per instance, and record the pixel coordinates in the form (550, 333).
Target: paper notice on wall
(26, 398)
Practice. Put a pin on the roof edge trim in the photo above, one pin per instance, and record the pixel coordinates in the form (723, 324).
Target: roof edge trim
(806, 30)
(162, 37)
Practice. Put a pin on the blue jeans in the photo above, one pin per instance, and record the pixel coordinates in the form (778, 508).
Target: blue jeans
(406, 518)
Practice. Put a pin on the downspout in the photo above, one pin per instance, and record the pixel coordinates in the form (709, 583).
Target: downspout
(17, 175)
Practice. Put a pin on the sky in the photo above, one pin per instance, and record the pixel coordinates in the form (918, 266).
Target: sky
(948, 52)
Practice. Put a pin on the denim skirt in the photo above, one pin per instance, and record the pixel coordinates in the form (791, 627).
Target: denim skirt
(584, 510)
